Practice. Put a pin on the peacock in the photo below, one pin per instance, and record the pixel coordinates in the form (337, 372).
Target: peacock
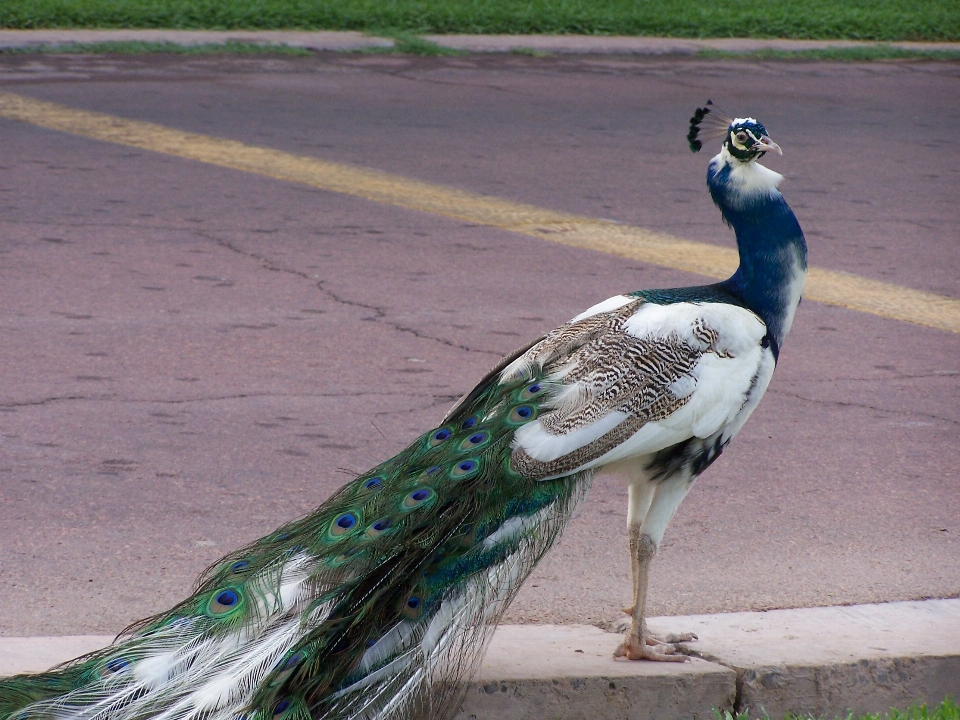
(380, 603)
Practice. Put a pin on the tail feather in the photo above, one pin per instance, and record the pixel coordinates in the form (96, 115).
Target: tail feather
(378, 605)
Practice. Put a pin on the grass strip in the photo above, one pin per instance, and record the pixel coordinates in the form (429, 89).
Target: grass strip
(404, 43)
(134, 47)
(947, 710)
(807, 19)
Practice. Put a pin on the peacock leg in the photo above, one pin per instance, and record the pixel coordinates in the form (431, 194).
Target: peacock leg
(648, 513)
(640, 498)
(639, 644)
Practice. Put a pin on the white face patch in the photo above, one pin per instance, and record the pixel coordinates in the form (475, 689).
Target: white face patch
(744, 139)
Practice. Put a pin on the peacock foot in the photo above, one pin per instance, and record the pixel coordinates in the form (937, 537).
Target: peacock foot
(660, 645)
(640, 648)
(654, 639)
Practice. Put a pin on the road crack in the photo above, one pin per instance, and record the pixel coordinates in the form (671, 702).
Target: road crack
(379, 314)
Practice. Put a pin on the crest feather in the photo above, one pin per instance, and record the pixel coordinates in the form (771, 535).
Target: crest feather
(716, 125)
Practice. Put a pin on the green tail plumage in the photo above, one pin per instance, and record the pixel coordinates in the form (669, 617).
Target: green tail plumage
(377, 605)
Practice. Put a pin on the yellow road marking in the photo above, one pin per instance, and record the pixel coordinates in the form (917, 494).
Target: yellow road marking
(827, 286)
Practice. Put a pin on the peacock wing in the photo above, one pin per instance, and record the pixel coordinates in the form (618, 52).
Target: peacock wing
(630, 377)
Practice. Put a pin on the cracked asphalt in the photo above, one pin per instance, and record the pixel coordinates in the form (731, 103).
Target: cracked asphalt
(193, 355)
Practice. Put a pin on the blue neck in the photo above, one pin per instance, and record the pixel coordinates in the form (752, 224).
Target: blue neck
(773, 252)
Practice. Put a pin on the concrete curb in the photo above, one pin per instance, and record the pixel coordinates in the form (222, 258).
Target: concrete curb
(822, 661)
(593, 44)
(347, 41)
(533, 672)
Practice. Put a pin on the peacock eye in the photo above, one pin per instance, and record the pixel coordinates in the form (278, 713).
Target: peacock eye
(741, 137)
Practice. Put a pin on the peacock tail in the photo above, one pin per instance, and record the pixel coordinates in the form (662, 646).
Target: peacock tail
(378, 605)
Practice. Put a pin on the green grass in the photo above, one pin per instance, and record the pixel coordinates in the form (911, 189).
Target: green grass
(141, 48)
(863, 19)
(947, 710)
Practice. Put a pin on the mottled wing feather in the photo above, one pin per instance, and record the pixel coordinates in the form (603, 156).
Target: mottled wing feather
(617, 371)
(560, 343)
(603, 375)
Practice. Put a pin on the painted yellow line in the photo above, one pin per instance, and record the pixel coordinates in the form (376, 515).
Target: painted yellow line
(827, 286)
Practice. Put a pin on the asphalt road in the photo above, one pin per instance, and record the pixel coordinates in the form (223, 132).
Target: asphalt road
(193, 355)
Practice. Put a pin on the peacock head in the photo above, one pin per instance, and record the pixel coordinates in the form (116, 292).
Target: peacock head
(747, 140)
(744, 139)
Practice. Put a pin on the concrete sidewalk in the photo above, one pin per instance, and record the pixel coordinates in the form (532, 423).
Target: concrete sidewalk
(353, 41)
(821, 661)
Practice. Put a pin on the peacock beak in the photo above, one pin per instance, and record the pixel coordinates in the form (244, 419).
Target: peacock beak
(765, 144)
